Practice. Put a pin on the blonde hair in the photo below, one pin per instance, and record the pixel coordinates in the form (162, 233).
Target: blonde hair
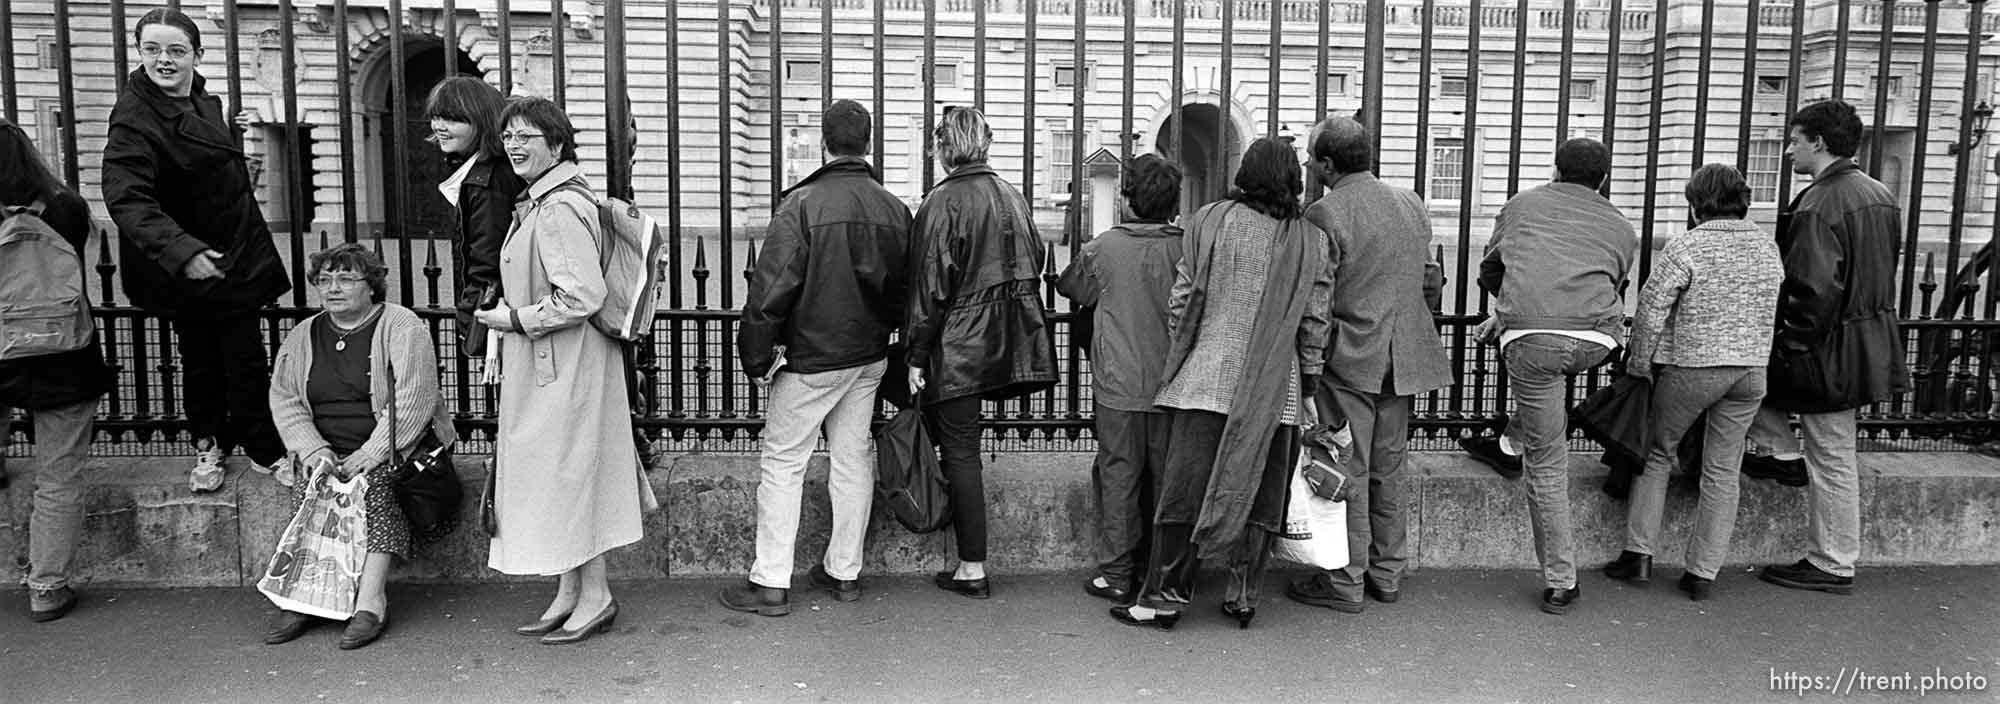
(962, 137)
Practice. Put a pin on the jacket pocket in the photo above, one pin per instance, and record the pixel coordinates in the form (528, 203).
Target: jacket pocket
(545, 360)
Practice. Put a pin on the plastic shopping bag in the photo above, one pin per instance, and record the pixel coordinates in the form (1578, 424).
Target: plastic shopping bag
(1315, 532)
(316, 569)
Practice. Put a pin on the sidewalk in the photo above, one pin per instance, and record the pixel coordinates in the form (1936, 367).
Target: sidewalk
(1457, 636)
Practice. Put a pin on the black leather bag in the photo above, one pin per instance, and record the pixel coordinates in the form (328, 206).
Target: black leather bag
(909, 482)
(427, 486)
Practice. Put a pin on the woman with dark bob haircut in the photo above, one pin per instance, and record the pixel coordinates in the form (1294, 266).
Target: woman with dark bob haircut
(1703, 334)
(331, 394)
(1247, 324)
(567, 484)
(465, 123)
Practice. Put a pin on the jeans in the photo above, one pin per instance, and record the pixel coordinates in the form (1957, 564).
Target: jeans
(1835, 489)
(62, 444)
(1131, 458)
(1537, 366)
(1680, 395)
(954, 426)
(1377, 524)
(843, 402)
(226, 385)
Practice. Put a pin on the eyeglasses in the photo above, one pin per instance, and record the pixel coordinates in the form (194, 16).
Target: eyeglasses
(341, 280)
(518, 137)
(175, 52)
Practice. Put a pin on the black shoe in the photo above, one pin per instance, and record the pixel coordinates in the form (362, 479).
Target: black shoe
(1163, 620)
(1803, 575)
(596, 625)
(364, 628)
(542, 627)
(1696, 587)
(1109, 591)
(1317, 590)
(1633, 567)
(753, 598)
(1376, 592)
(1242, 614)
(841, 589)
(287, 627)
(1558, 601)
(50, 604)
(975, 588)
(1487, 450)
(1786, 472)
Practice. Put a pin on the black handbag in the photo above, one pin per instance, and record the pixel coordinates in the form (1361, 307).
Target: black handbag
(909, 482)
(427, 486)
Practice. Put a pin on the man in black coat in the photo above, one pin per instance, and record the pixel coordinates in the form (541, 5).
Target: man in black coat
(1838, 346)
(193, 246)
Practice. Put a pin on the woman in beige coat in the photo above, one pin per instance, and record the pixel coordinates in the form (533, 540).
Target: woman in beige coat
(567, 480)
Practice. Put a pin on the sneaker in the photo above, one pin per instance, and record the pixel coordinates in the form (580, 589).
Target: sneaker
(281, 471)
(841, 589)
(50, 604)
(1487, 450)
(1804, 575)
(208, 472)
(1790, 472)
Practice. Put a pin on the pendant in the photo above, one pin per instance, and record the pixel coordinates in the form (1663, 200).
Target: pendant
(340, 345)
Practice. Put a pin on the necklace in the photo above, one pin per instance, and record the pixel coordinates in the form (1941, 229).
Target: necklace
(340, 333)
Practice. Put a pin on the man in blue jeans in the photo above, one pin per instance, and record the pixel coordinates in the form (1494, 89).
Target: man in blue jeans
(1556, 266)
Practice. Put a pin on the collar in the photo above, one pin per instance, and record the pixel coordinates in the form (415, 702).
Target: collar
(1841, 166)
(165, 105)
(1346, 180)
(1729, 225)
(1574, 188)
(840, 165)
(969, 170)
(557, 175)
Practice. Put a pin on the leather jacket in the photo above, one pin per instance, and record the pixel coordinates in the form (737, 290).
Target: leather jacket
(1839, 344)
(485, 213)
(976, 318)
(830, 284)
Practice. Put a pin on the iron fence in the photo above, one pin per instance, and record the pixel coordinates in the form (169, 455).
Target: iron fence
(703, 111)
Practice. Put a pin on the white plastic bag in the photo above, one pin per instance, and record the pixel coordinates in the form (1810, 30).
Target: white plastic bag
(1315, 532)
(316, 569)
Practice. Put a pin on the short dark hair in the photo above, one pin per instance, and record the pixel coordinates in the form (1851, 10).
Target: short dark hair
(169, 17)
(1583, 161)
(846, 128)
(1832, 121)
(1351, 154)
(1718, 191)
(1268, 181)
(472, 101)
(543, 115)
(1152, 187)
(354, 257)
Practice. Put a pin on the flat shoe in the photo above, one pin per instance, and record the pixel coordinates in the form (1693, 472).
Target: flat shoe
(1163, 620)
(362, 629)
(581, 634)
(288, 627)
(542, 627)
(975, 588)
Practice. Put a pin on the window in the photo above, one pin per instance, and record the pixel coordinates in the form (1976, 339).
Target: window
(1767, 156)
(1447, 177)
(944, 73)
(1336, 83)
(1895, 86)
(1582, 90)
(1060, 142)
(802, 72)
(1771, 85)
(1451, 86)
(803, 152)
(1067, 75)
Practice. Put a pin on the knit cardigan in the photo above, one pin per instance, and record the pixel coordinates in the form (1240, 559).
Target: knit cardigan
(399, 336)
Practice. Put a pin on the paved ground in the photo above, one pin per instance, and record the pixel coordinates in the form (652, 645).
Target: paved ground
(1456, 636)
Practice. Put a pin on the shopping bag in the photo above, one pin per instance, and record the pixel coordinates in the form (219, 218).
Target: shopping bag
(316, 569)
(1315, 531)
(909, 482)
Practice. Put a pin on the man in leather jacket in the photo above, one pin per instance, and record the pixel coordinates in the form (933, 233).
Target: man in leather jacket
(1838, 345)
(826, 293)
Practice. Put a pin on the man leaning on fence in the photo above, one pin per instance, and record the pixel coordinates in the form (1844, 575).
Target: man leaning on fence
(1837, 347)
(1382, 351)
(827, 291)
(1556, 267)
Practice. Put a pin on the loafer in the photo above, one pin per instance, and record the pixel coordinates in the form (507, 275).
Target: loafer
(50, 604)
(287, 627)
(595, 626)
(1376, 592)
(753, 598)
(841, 589)
(1633, 567)
(975, 588)
(1107, 590)
(542, 627)
(1785, 472)
(1558, 601)
(1697, 588)
(362, 629)
(1318, 590)
(1804, 575)
(1487, 450)
(1163, 620)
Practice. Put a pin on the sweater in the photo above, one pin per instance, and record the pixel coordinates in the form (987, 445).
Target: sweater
(399, 336)
(1711, 299)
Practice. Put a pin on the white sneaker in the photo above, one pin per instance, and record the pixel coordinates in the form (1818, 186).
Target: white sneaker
(208, 472)
(280, 471)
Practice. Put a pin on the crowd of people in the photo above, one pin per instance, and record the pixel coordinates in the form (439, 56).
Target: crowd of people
(1226, 338)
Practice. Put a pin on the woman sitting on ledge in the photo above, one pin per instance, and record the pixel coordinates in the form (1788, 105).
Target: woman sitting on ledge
(329, 389)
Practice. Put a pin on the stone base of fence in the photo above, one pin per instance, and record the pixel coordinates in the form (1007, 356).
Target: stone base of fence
(145, 529)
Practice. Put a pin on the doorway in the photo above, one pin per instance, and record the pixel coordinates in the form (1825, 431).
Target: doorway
(1206, 167)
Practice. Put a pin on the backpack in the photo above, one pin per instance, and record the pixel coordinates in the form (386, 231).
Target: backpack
(43, 309)
(633, 256)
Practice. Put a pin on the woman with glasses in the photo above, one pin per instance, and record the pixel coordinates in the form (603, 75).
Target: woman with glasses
(464, 114)
(193, 244)
(567, 485)
(331, 398)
